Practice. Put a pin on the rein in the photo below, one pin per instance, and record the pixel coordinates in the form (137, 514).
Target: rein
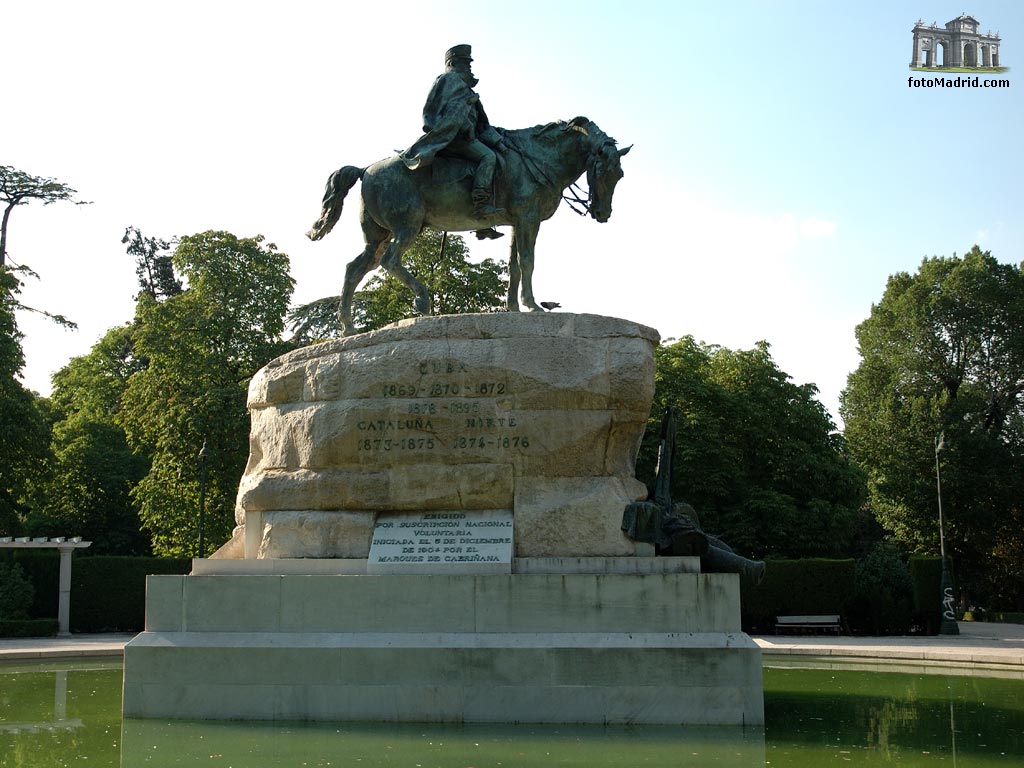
(574, 191)
(573, 194)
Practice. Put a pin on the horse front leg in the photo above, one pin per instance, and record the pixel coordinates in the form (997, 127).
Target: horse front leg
(512, 304)
(392, 261)
(526, 240)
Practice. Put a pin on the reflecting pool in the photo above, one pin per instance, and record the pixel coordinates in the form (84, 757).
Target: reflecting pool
(64, 714)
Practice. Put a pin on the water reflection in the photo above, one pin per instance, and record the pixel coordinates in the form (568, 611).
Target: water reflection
(824, 716)
(156, 744)
(59, 719)
(62, 715)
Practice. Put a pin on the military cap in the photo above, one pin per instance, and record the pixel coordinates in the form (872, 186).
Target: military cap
(458, 52)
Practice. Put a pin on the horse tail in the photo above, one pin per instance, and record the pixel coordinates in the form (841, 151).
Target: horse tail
(338, 185)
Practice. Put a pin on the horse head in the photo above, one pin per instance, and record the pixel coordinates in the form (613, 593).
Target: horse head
(604, 170)
(604, 167)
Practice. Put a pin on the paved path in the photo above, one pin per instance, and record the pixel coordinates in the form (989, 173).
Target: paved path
(979, 645)
(39, 648)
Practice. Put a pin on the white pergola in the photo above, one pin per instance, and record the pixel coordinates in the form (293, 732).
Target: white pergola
(66, 547)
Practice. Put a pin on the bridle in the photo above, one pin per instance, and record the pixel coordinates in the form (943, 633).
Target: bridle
(574, 197)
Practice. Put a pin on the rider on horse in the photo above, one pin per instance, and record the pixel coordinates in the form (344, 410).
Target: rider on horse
(454, 121)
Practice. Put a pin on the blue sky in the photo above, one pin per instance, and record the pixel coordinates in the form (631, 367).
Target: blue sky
(782, 168)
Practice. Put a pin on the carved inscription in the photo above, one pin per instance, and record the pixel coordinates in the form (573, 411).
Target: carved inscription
(442, 406)
(441, 539)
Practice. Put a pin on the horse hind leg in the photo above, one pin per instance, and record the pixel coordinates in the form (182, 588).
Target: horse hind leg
(392, 261)
(368, 260)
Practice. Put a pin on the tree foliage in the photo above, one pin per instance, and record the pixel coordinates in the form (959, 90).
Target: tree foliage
(20, 188)
(201, 347)
(87, 488)
(757, 455)
(943, 353)
(23, 430)
(456, 286)
(153, 265)
(24, 433)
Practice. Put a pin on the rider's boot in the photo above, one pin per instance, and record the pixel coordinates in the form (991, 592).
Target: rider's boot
(488, 234)
(482, 207)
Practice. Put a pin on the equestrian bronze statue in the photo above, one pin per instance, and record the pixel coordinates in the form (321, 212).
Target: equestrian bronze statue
(439, 183)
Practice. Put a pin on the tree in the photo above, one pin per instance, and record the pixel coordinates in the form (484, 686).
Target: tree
(19, 188)
(87, 489)
(757, 455)
(456, 285)
(153, 264)
(24, 436)
(23, 430)
(943, 353)
(201, 347)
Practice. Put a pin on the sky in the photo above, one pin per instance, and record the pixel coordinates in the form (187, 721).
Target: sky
(782, 167)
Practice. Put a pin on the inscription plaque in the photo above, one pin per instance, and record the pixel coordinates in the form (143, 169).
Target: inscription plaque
(477, 541)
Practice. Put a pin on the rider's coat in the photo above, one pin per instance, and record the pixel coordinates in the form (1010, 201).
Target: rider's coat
(452, 112)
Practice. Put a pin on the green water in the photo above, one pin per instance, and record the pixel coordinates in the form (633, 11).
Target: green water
(69, 714)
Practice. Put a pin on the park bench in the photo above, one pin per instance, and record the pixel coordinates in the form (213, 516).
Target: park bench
(811, 624)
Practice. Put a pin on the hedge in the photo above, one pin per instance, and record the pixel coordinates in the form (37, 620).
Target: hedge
(1005, 617)
(998, 617)
(28, 628)
(108, 594)
(805, 587)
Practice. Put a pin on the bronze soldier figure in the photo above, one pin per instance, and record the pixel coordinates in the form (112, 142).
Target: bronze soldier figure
(454, 121)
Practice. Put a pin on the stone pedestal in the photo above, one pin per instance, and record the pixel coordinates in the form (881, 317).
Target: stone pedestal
(413, 437)
(541, 414)
(641, 641)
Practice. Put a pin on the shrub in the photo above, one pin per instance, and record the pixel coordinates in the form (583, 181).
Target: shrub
(16, 592)
(882, 603)
(42, 568)
(926, 586)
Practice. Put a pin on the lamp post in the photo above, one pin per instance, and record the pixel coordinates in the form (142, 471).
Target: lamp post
(949, 625)
(204, 454)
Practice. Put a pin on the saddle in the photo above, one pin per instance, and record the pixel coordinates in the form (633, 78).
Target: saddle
(448, 170)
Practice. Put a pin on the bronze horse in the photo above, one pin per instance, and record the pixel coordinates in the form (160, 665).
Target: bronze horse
(398, 203)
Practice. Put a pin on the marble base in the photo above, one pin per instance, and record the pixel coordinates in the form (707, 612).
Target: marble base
(531, 647)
